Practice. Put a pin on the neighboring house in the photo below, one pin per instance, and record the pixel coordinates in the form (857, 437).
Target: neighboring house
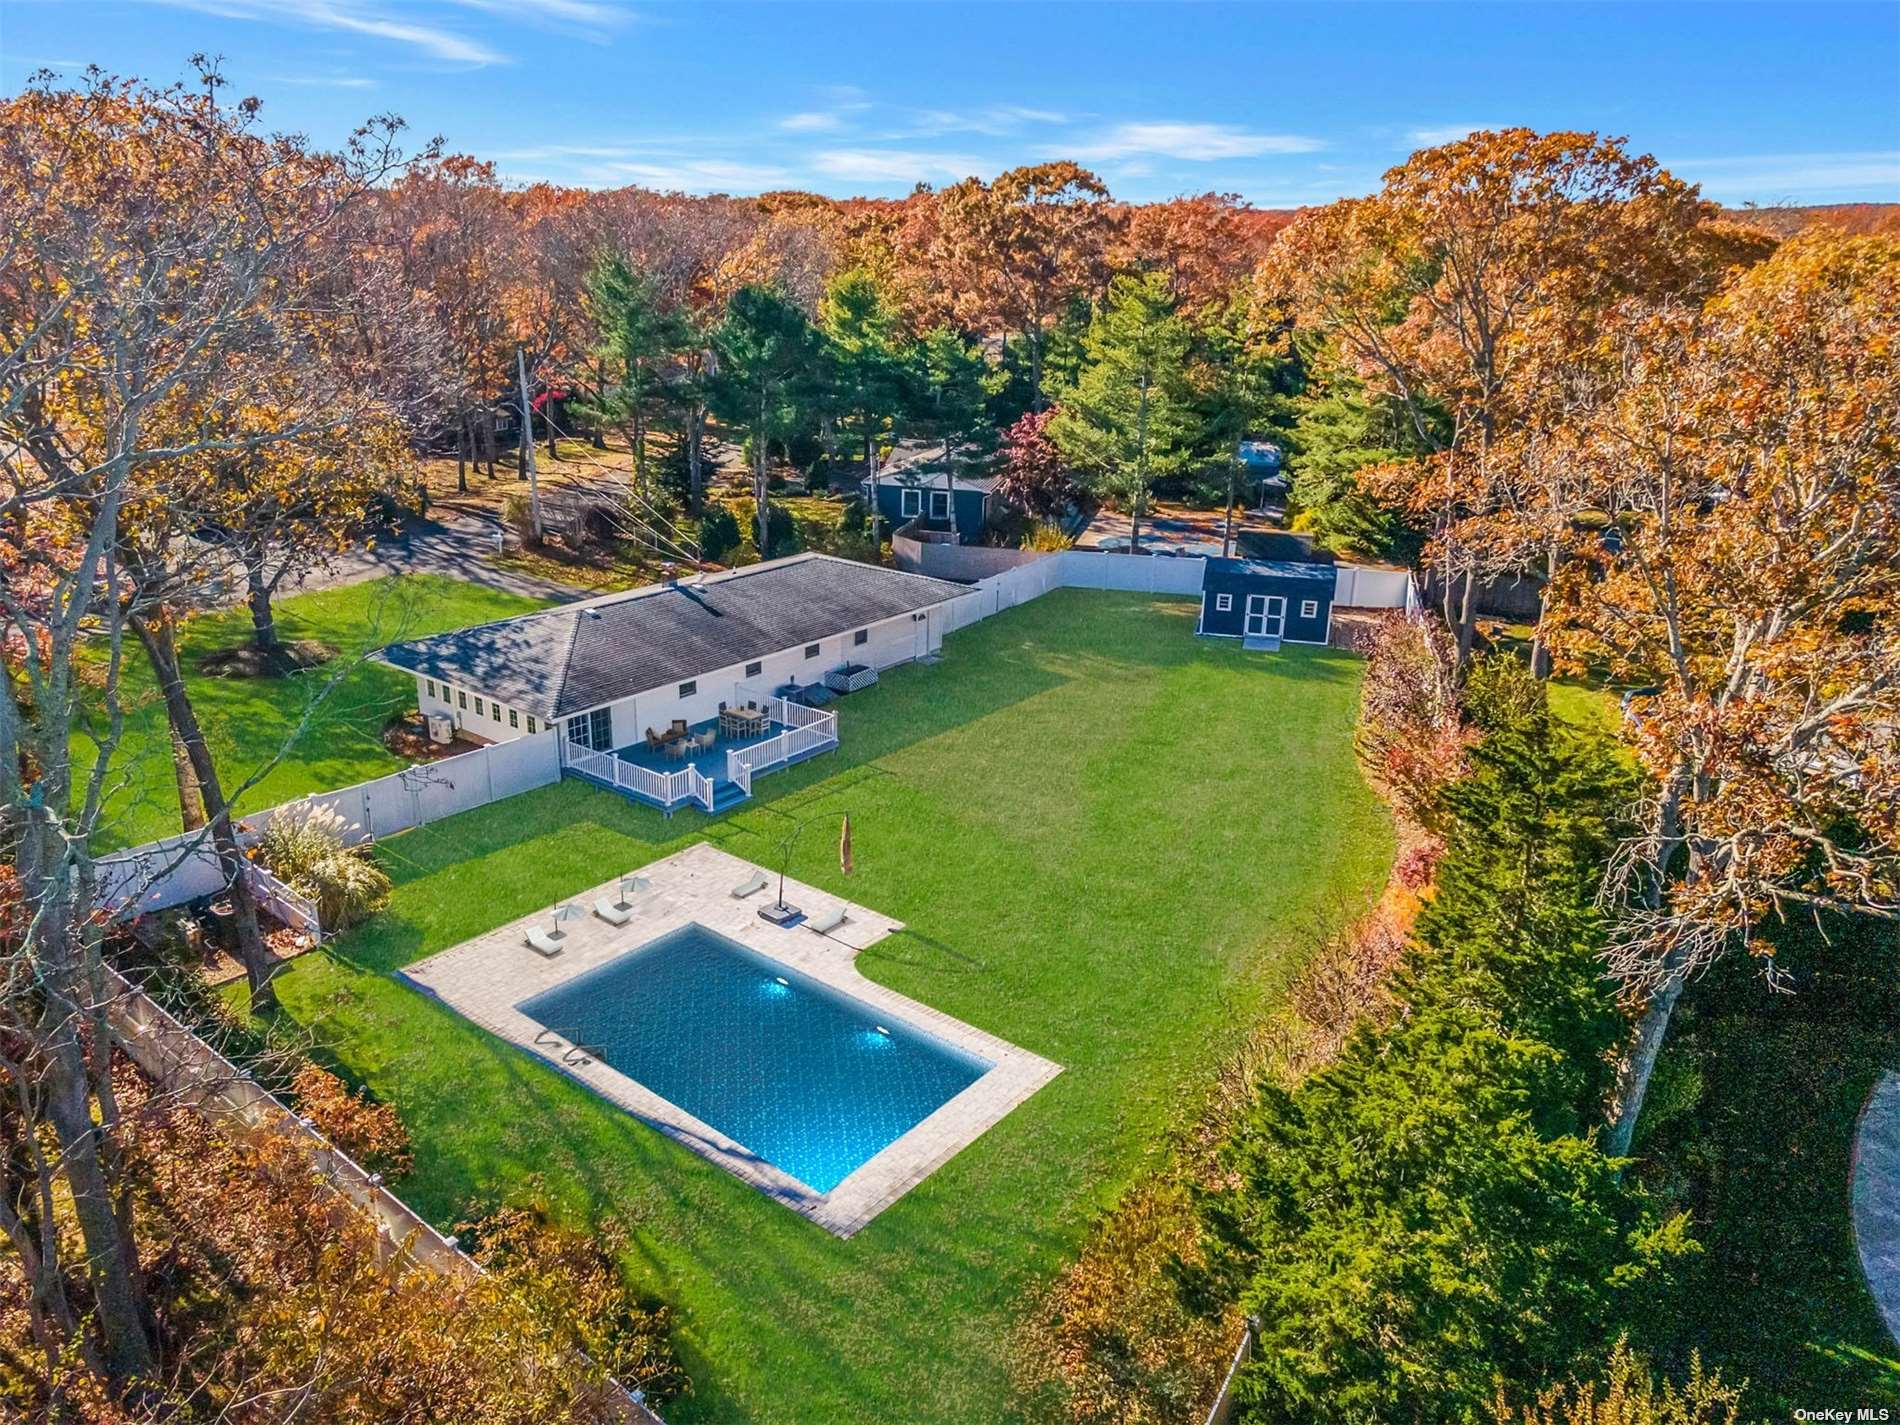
(1267, 598)
(608, 669)
(916, 493)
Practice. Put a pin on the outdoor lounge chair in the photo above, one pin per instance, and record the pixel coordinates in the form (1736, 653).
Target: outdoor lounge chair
(703, 742)
(654, 740)
(611, 911)
(751, 885)
(679, 728)
(543, 943)
(828, 922)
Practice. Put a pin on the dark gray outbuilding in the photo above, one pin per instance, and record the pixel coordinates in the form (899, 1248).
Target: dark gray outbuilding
(1267, 598)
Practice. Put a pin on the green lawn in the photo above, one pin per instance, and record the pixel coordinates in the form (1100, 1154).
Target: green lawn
(249, 720)
(1111, 843)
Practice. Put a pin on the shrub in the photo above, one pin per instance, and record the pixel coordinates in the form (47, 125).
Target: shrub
(718, 533)
(1048, 537)
(519, 517)
(1411, 735)
(369, 1132)
(1629, 1396)
(1432, 1211)
(303, 847)
(571, 1283)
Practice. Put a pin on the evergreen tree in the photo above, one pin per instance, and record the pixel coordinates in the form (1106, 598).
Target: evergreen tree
(640, 337)
(869, 369)
(954, 385)
(769, 371)
(1128, 420)
(1433, 1211)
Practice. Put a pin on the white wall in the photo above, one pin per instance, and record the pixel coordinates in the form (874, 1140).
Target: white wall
(492, 722)
(1361, 587)
(183, 868)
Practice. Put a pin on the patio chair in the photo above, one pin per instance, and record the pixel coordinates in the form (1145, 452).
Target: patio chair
(751, 885)
(679, 727)
(654, 740)
(705, 740)
(543, 944)
(612, 913)
(828, 922)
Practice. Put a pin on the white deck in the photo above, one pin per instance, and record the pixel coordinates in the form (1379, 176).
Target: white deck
(485, 978)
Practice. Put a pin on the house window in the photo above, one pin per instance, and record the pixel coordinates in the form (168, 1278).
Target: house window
(514, 718)
(940, 504)
(1223, 603)
(1309, 608)
(688, 688)
(594, 730)
(431, 683)
(530, 722)
(861, 637)
(478, 707)
(811, 650)
(461, 700)
(752, 670)
(910, 502)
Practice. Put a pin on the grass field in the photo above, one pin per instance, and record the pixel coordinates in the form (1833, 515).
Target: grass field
(1111, 842)
(332, 716)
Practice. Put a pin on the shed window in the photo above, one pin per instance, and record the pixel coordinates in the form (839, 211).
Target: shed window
(811, 650)
(461, 699)
(940, 504)
(910, 502)
(478, 707)
(1223, 603)
(431, 683)
(514, 718)
(531, 722)
(861, 637)
(689, 687)
(752, 670)
(1309, 608)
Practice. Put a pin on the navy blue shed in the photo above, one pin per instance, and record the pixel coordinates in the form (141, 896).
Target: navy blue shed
(1267, 598)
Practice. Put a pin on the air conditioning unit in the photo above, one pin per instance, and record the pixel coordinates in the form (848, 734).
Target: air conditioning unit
(441, 728)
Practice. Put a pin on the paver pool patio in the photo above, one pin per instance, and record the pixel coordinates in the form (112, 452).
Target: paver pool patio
(495, 978)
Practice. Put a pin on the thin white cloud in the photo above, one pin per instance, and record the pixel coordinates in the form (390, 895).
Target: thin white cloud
(398, 23)
(895, 165)
(1436, 134)
(812, 121)
(694, 175)
(351, 17)
(994, 120)
(1192, 142)
(1778, 177)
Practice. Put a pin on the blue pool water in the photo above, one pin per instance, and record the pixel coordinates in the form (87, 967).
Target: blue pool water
(814, 1082)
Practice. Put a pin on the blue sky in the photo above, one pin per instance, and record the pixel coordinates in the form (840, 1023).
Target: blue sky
(1283, 104)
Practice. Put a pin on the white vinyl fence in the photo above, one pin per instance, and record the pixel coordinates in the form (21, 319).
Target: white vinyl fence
(183, 868)
(1357, 586)
(1075, 569)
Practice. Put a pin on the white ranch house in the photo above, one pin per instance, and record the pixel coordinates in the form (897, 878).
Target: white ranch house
(681, 692)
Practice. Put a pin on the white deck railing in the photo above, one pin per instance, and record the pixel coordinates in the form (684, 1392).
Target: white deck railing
(668, 789)
(738, 772)
(807, 730)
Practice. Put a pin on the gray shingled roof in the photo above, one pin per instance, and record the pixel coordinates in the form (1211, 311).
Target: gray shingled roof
(565, 660)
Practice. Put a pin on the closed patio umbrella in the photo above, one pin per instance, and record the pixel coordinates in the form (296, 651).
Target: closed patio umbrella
(844, 847)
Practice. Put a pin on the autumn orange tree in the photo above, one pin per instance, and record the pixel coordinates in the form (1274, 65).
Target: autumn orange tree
(1454, 289)
(155, 248)
(1749, 463)
(1010, 253)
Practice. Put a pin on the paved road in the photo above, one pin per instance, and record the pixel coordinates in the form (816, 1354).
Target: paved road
(458, 545)
(1876, 1197)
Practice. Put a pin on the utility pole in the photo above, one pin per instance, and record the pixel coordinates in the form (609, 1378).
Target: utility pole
(1233, 477)
(527, 444)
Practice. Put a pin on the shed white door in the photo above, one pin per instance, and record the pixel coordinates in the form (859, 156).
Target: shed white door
(1266, 614)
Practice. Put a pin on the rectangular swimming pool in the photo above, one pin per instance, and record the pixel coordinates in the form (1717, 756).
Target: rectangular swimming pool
(807, 1078)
